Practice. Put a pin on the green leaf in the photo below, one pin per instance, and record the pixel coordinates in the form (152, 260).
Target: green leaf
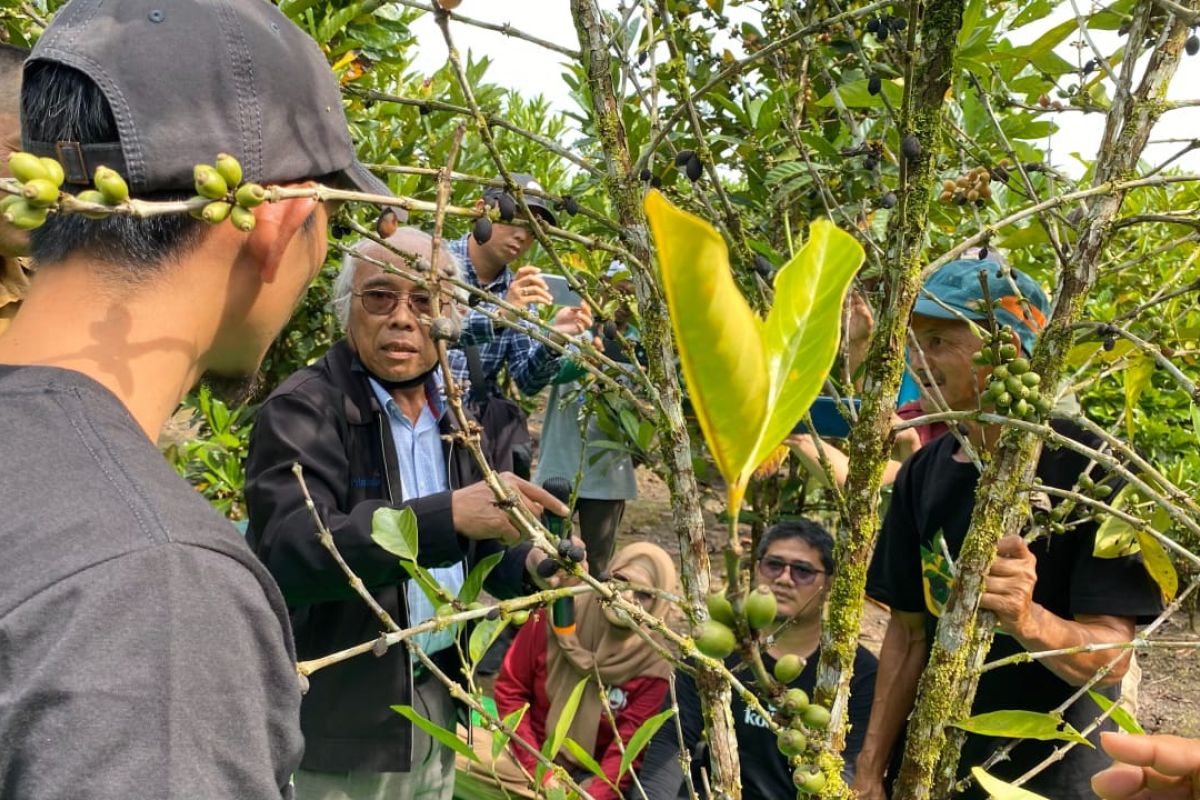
(855, 95)
(1125, 721)
(1115, 537)
(1158, 562)
(1137, 378)
(1022, 725)
(554, 743)
(448, 738)
(584, 759)
(395, 530)
(482, 636)
(750, 381)
(1001, 790)
(641, 738)
(511, 721)
(479, 573)
(1078, 355)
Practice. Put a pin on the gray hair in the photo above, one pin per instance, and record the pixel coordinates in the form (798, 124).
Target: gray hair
(416, 245)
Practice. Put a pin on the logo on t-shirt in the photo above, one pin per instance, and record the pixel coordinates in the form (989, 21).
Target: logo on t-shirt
(617, 699)
(754, 719)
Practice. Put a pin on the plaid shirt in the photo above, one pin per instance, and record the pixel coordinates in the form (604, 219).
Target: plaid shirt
(530, 363)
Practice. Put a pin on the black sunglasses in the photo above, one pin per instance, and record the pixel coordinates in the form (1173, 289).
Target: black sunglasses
(382, 302)
(803, 573)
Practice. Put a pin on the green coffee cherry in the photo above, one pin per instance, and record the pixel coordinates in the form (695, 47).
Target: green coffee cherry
(816, 717)
(981, 358)
(1019, 366)
(794, 702)
(791, 742)
(760, 607)
(1008, 351)
(40, 192)
(720, 609)
(519, 617)
(54, 171)
(24, 216)
(809, 780)
(715, 640)
(1031, 379)
(1000, 373)
(1021, 408)
(92, 196)
(27, 167)
(111, 185)
(243, 219)
(1003, 400)
(250, 195)
(209, 182)
(215, 212)
(229, 168)
(788, 668)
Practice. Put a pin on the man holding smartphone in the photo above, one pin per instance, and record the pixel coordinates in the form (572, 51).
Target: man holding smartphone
(486, 348)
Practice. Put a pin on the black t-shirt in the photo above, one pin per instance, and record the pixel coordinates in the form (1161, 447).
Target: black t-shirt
(934, 493)
(766, 774)
(144, 651)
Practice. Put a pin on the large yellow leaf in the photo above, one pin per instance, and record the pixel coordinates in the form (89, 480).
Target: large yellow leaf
(1001, 790)
(750, 382)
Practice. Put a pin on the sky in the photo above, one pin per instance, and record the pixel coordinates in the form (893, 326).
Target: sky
(532, 69)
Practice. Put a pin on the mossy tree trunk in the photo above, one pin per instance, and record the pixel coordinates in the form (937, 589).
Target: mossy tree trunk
(675, 445)
(964, 635)
(870, 442)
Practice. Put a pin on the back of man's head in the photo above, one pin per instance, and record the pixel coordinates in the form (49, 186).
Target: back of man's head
(151, 89)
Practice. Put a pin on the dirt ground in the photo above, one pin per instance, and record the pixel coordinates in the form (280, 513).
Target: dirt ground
(1169, 696)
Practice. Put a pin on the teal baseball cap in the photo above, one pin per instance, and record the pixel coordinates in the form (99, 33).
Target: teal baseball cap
(1018, 300)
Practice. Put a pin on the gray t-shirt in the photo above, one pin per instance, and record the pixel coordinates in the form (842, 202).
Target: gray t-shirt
(144, 651)
(607, 474)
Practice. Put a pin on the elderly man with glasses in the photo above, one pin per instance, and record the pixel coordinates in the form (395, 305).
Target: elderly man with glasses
(369, 425)
(795, 559)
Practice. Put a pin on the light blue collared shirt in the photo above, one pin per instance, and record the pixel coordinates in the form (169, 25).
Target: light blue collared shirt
(422, 472)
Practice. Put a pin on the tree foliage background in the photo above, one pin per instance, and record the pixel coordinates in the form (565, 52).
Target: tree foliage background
(807, 119)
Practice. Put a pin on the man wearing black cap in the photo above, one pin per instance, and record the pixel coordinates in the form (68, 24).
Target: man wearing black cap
(488, 348)
(146, 652)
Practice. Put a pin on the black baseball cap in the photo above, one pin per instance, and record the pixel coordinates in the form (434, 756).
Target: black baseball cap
(189, 79)
(534, 202)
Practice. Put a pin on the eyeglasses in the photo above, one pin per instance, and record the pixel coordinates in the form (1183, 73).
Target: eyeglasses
(646, 599)
(382, 302)
(803, 573)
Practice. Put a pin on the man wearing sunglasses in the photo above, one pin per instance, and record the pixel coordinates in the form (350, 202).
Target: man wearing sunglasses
(795, 559)
(369, 426)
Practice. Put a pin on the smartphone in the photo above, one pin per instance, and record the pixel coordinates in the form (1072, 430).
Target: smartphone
(830, 417)
(560, 291)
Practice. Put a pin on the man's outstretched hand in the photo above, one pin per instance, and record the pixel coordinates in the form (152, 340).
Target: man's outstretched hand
(477, 515)
(1149, 768)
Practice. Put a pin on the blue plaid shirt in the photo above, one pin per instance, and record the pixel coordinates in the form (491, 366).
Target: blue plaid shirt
(531, 364)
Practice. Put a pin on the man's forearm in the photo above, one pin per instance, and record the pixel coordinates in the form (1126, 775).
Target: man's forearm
(901, 660)
(1049, 631)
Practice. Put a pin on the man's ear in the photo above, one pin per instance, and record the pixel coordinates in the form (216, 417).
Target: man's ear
(277, 225)
(480, 205)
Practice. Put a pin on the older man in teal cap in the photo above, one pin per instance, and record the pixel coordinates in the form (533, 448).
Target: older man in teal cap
(1047, 593)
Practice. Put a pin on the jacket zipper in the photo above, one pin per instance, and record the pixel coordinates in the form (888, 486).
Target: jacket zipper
(402, 590)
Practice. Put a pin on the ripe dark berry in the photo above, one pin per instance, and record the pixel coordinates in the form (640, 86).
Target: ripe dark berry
(683, 157)
(493, 614)
(507, 206)
(888, 200)
(645, 175)
(983, 253)
(423, 109)
(642, 57)
(874, 84)
(899, 24)
(1192, 45)
(1089, 66)
(870, 163)
(482, 231)
(1109, 343)
(762, 265)
(571, 205)
(882, 33)
(694, 168)
(910, 146)
(337, 230)
(873, 25)
(546, 568)
(656, 182)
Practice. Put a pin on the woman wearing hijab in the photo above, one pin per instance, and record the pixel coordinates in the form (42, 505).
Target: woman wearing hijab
(543, 666)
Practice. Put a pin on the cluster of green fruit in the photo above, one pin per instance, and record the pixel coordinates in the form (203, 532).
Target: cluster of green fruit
(228, 198)
(1056, 518)
(1014, 386)
(802, 717)
(40, 179)
(715, 638)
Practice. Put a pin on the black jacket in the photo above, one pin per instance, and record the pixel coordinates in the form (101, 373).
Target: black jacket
(327, 418)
